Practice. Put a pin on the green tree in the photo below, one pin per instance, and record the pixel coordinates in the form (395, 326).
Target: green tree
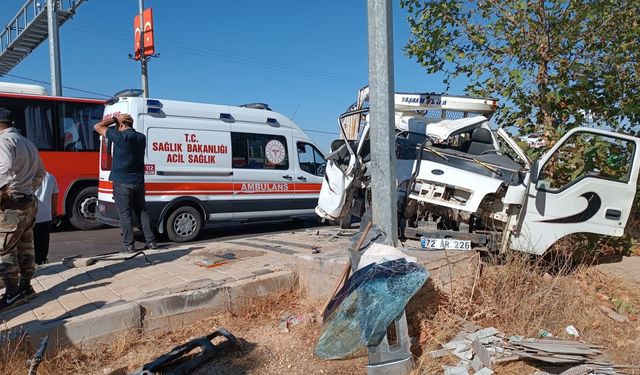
(554, 64)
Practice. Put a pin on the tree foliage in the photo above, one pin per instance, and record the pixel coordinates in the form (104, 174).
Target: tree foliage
(555, 64)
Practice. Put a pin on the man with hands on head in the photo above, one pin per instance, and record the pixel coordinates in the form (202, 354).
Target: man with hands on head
(127, 175)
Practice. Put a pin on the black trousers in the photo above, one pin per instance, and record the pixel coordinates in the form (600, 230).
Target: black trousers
(41, 241)
(130, 202)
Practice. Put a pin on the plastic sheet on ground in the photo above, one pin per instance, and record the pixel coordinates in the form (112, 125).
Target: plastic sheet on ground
(372, 298)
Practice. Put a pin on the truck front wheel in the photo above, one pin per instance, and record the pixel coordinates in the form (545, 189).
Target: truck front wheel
(184, 224)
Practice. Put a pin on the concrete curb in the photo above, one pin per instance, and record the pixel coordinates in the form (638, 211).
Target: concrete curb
(319, 274)
(178, 309)
(159, 312)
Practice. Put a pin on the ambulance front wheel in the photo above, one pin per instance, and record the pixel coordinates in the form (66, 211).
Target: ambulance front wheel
(184, 224)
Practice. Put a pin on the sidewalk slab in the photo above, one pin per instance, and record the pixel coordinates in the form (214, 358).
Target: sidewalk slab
(111, 295)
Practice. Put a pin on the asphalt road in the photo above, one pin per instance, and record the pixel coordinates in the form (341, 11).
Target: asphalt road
(66, 241)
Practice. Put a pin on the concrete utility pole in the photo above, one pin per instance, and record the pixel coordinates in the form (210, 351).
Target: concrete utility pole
(382, 113)
(54, 48)
(143, 59)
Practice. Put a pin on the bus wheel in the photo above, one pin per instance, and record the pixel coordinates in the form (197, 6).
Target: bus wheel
(83, 211)
(184, 224)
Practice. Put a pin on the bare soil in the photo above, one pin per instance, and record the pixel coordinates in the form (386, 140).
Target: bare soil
(269, 347)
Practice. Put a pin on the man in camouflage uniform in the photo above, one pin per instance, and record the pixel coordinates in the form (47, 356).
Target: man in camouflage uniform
(21, 172)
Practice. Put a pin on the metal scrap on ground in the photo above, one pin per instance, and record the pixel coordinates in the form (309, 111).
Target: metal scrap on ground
(620, 318)
(479, 350)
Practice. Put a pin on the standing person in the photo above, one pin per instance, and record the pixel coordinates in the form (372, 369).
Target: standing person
(127, 174)
(21, 172)
(47, 195)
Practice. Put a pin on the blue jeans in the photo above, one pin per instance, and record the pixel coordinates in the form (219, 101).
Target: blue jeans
(130, 201)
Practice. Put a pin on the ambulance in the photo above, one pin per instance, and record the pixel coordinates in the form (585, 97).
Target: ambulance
(215, 163)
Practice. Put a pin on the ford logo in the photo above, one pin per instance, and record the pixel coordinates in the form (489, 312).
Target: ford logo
(437, 172)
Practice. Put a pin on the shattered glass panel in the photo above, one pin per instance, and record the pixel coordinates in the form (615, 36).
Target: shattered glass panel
(370, 300)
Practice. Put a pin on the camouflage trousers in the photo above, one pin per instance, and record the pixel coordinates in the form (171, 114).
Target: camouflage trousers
(17, 257)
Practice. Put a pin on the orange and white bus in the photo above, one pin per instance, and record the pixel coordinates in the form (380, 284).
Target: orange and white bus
(62, 128)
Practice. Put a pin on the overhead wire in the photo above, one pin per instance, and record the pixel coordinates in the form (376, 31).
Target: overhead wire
(215, 54)
(199, 51)
(48, 83)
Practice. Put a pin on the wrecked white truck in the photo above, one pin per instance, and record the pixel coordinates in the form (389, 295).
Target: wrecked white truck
(465, 185)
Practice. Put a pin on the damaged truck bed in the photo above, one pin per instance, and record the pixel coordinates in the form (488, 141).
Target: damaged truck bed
(472, 186)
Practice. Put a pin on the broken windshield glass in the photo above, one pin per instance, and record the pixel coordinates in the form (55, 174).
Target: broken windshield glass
(372, 298)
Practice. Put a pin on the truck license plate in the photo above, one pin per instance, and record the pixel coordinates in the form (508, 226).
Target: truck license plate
(444, 244)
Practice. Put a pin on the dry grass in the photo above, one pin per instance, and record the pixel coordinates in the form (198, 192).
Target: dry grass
(515, 295)
(13, 351)
(520, 297)
(269, 351)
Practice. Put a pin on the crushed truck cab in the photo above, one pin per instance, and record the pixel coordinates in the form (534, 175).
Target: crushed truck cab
(466, 184)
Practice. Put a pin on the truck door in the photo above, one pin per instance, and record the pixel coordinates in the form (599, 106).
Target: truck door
(263, 176)
(585, 183)
(309, 170)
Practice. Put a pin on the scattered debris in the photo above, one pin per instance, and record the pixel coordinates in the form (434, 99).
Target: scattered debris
(620, 318)
(439, 353)
(315, 249)
(455, 370)
(482, 349)
(287, 320)
(37, 358)
(211, 263)
(482, 355)
(484, 371)
(544, 333)
(572, 331)
(78, 261)
(176, 362)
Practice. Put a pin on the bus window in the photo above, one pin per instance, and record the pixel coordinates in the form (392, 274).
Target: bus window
(33, 119)
(78, 120)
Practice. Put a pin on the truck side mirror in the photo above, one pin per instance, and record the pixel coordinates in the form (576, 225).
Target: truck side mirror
(534, 171)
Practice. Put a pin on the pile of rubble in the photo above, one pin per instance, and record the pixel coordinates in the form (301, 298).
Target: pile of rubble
(479, 350)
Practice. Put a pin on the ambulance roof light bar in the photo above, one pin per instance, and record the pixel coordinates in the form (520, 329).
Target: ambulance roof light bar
(130, 93)
(256, 106)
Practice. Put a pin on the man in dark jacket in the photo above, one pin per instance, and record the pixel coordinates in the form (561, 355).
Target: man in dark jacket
(127, 174)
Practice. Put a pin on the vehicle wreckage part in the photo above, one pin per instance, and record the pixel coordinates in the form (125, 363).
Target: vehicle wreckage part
(34, 363)
(392, 358)
(464, 193)
(334, 190)
(372, 298)
(347, 269)
(175, 362)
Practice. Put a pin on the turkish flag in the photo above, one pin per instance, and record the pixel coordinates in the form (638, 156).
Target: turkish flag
(149, 47)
